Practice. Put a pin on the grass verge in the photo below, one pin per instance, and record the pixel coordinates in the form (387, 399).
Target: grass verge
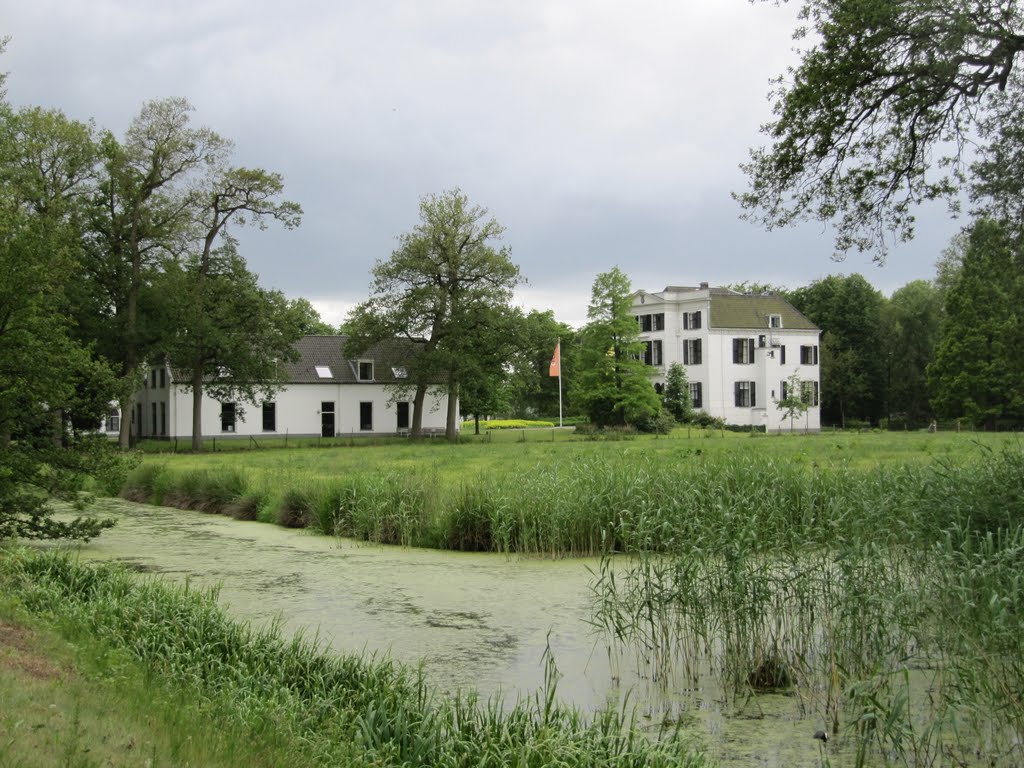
(71, 700)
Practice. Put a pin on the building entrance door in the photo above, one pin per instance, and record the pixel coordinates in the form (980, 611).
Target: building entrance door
(327, 419)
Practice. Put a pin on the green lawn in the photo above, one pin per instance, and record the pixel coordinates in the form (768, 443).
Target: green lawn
(504, 450)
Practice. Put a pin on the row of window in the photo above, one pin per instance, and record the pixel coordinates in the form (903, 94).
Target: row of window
(364, 371)
(650, 323)
(745, 393)
(156, 427)
(696, 393)
(150, 382)
(228, 416)
(656, 322)
(809, 392)
(742, 352)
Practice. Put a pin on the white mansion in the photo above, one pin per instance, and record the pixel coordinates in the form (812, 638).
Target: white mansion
(739, 351)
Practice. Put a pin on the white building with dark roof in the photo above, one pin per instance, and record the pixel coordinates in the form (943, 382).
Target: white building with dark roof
(326, 395)
(740, 352)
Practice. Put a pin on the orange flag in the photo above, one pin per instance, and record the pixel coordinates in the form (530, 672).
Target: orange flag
(556, 361)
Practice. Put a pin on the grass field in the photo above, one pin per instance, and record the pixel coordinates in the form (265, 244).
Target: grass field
(506, 449)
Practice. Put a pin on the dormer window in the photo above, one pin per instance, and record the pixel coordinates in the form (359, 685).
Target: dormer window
(366, 370)
(774, 321)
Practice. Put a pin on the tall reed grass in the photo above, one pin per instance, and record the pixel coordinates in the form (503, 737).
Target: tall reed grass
(890, 602)
(338, 710)
(587, 504)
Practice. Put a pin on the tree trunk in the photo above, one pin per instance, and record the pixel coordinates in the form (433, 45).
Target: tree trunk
(124, 432)
(58, 428)
(451, 423)
(417, 409)
(197, 409)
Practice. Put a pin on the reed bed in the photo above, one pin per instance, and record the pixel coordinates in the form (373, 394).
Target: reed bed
(586, 504)
(891, 603)
(336, 710)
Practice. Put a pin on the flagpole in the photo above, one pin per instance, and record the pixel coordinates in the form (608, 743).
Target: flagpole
(559, 347)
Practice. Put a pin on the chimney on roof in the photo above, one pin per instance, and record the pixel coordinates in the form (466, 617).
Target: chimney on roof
(703, 285)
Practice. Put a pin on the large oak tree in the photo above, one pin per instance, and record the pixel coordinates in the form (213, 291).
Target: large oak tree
(877, 115)
(446, 284)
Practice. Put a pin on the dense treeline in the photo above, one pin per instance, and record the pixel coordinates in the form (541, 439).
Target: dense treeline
(945, 349)
(116, 251)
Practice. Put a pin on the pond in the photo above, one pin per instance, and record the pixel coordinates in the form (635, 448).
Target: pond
(475, 621)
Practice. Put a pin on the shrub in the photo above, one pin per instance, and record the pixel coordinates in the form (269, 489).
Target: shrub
(296, 510)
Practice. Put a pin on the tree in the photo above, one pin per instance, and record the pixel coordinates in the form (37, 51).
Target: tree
(232, 344)
(875, 118)
(853, 374)
(676, 397)
(978, 371)
(310, 322)
(444, 278)
(612, 382)
(244, 363)
(910, 332)
(533, 391)
(139, 217)
(793, 402)
(49, 382)
(483, 389)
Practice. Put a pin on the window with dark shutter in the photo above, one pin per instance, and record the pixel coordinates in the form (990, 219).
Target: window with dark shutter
(782, 354)
(696, 399)
(743, 351)
(745, 394)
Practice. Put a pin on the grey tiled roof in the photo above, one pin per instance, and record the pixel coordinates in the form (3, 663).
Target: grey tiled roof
(327, 351)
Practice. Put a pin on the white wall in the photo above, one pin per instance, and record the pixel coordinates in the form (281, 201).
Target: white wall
(298, 411)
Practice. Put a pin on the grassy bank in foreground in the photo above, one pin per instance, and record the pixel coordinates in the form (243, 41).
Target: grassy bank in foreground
(586, 498)
(290, 702)
(70, 700)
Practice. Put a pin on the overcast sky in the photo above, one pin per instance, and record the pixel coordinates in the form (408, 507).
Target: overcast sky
(598, 132)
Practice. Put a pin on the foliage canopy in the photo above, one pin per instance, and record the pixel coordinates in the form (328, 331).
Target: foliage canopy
(448, 285)
(876, 117)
